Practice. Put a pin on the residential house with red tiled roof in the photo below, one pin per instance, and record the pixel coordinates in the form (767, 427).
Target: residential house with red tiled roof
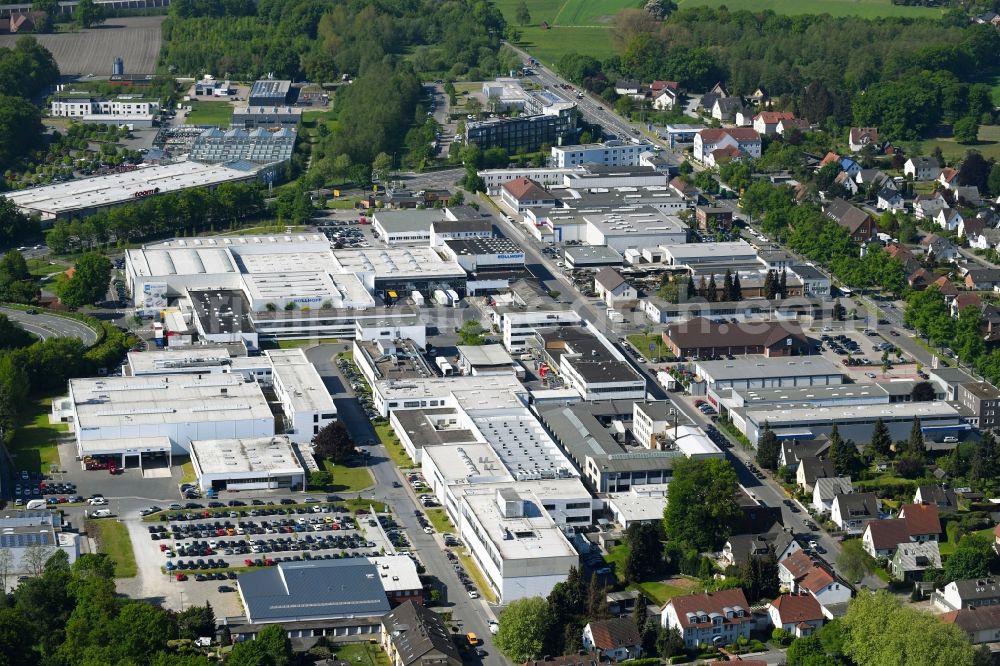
(766, 122)
(964, 300)
(916, 523)
(859, 224)
(859, 137)
(522, 193)
(712, 618)
(707, 141)
(981, 625)
(798, 614)
(948, 178)
(828, 158)
(616, 639)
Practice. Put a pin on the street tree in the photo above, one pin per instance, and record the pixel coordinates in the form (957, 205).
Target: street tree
(334, 443)
(523, 627)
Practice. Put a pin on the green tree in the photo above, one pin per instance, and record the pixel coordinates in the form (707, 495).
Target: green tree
(89, 283)
(16, 639)
(272, 647)
(701, 506)
(768, 448)
(966, 130)
(523, 626)
(88, 13)
(879, 631)
(984, 459)
(644, 560)
(381, 167)
(196, 621)
(993, 180)
(915, 445)
(669, 643)
(472, 333)
(972, 558)
(523, 14)
(881, 442)
(334, 443)
(854, 560)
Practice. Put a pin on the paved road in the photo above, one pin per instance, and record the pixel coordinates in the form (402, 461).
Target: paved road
(51, 326)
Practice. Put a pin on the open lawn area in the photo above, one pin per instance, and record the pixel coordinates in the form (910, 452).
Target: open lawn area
(439, 519)
(349, 479)
(309, 342)
(392, 445)
(948, 547)
(862, 8)
(642, 342)
(663, 591)
(210, 113)
(360, 654)
(43, 267)
(550, 45)
(567, 12)
(112, 538)
(188, 474)
(988, 145)
(34, 447)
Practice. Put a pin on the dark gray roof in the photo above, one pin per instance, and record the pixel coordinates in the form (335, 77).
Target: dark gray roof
(855, 505)
(313, 590)
(484, 246)
(467, 225)
(744, 545)
(609, 278)
(222, 310)
(417, 632)
(422, 433)
(975, 589)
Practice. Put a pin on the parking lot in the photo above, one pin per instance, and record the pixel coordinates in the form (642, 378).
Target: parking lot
(204, 545)
(860, 355)
(344, 231)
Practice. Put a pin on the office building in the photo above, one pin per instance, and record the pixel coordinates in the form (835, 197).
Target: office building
(305, 402)
(611, 153)
(256, 146)
(23, 531)
(252, 117)
(588, 363)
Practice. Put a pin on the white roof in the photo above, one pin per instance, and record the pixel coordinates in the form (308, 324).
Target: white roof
(287, 262)
(473, 390)
(121, 187)
(398, 573)
(529, 538)
(702, 250)
(904, 411)
(641, 502)
(270, 456)
(467, 463)
(756, 367)
(300, 379)
(485, 355)
(181, 261)
(396, 262)
(154, 400)
(176, 359)
(523, 446)
(694, 442)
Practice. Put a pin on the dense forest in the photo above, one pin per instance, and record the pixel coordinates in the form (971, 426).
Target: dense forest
(902, 75)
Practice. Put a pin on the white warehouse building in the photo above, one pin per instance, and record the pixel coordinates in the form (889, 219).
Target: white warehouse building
(136, 418)
(247, 464)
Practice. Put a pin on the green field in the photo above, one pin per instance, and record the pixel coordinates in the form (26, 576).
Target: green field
(349, 479)
(641, 341)
(210, 113)
(862, 8)
(112, 538)
(574, 26)
(35, 447)
(567, 12)
(989, 145)
(549, 45)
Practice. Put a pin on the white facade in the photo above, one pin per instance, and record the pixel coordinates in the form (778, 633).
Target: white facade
(612, 153)
(124, 106)
(518, 327)
(247, 464)
(306, 403)
(519, 549)
(544, 176)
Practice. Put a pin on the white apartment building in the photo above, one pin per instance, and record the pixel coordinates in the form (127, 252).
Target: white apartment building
(612, 153)
(517, 327)
(81, 105)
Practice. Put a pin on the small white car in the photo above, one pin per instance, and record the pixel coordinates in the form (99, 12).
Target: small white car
(813, 545)
(101, 513)
(97, 501)
(494, 626)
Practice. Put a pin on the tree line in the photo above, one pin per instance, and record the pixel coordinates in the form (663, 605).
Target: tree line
(25, 72)
(170, 214)
(901, 75)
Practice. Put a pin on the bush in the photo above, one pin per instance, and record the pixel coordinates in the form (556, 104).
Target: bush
(679, 659)
(647, 661)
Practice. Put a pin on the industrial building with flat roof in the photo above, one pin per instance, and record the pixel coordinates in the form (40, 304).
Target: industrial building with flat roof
(247, 464)
(257, 146)
(86, 195)
(251, 116)
(305, 402)
(269, 92)
(854, 422)
(160, 416)
(409, 225)
(761, 372)
(24, 531)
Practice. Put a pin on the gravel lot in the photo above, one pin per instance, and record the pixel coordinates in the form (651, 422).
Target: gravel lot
(92, 51)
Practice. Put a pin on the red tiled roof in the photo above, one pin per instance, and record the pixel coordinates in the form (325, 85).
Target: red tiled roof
(788, 123)
(886, 534)
(772, 117)
(712, 134)
(615, 633)
(974, 620)
(798, 564)
(858, 133)
(729, 151)
(965, 300)
(922, 518)
(743, 134)
(711, 602)
(525, 188)
(830, 157)
(948, 174)
(816, 579)
(794, 608)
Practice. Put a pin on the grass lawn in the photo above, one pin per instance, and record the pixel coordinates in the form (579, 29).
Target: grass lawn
(210, 113)
(392, 445)
(34, 447)
(948, 547)
(43, 267)
(112, 538)
(549, 45)
(309, 342)
(477, 576)
(439, 519)
(187, 472)
(642, 342)
(988, 144)
(362, 654)
(362, 503)
(862, 8)
(661, 592)
(341, 204)
(349, 479)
